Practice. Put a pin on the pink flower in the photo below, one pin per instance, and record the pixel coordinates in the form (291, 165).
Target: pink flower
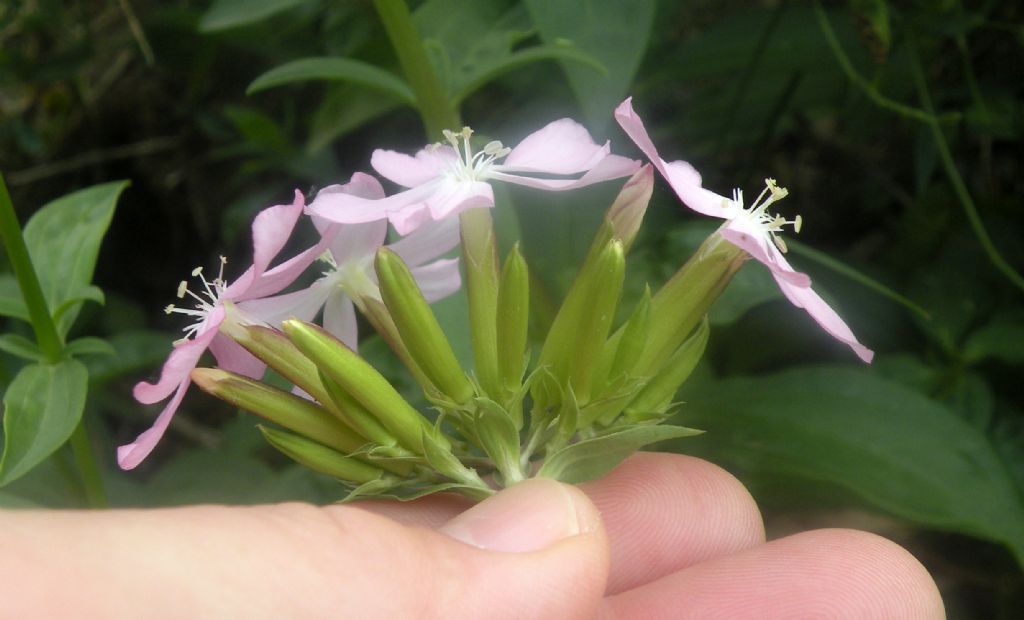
(270, 231)
(446, 179)
(349, 274)
(752, 229)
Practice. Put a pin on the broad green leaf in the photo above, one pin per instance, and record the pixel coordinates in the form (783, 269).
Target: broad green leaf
(224, 14)
(889, 444)
(63, 239)
(343, 109)
(334, 69)
(592, 458)
(89, 346)
(615, 33)
(42, 406)
(489, 71)
(1003, 341)
(11, 303)
(21, 346)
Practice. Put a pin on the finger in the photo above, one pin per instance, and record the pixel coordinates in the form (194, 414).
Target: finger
(431, 511)
(820, 574)
(664, 512)
(298, 561)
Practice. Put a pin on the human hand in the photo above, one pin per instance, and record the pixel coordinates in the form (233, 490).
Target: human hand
(663, 536)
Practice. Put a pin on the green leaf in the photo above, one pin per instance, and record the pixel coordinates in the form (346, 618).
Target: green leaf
(614, 33)
(63, 239)
(592, 458)
(889, 444)
(89, 346)
(11, 303)
(1003, 341)
(21, 346)
(334, 69)
(42, 406)
(8, 500)
(133, 351)
(491, 70)
(224, 14)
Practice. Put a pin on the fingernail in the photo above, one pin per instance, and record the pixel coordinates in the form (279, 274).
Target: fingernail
(526, 517)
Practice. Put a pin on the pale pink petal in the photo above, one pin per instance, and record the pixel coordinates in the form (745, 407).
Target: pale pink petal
(750, 238)
(130, 455)
(681, 176)
(360, 185)
(427, 242)
(271, 230)
(231, 356)
(303, 305)
(438, 279)
(281, 276)
(409, 171)
(825, 316)
(180, 362)
(408, 219)
(356, 241)
(340, 318)
(348, 209)
(611, 167)
(560, 147)
(455, 197)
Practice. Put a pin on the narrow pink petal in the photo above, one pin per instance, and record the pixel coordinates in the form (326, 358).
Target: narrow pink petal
(560, 147)
(340, 319)
(753, 240)
(360, 185)
(409, 171)
(681, 176)
(408, 219)
(231, 356)
(281, 276)
(357, 241)
(438, 279)
(180, 362)
(303, 305)
(349, 209)
(825, 316)
(130, 455)
(430, 240)
(611, 167)
(455, 197)
(271, 229)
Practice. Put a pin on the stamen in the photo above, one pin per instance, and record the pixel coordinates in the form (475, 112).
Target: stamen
(779, 243)
(183, 288)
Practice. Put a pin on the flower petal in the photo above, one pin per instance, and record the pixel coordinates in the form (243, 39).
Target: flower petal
(753, 240)
(231, 356)
(355, 241)
(427, 242)
(303, 305)
(130, 455)
(611, 167)
(409, 171)
(681, 176)
(438, 279)
(560, 147)
(360, 185)
(180, 362)
(825, 316)
(446, 199)
(340, 319)
(344, 208)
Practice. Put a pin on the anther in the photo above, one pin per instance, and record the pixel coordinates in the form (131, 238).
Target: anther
(183, 288)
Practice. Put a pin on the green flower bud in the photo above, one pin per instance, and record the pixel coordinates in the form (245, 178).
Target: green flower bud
(419, 329)
(283, 408)
(497, 434)
(656, 396)
(321, 458)
(513, 320)
(480, 260)
(359, 379)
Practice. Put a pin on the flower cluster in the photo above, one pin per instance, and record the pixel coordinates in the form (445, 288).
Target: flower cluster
(592, 394)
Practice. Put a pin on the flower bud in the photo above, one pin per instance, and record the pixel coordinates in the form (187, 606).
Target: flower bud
(283, 408)
(513, 319)
(321, 458)
(361, 381)
(657, 395)
(419, 329)
(480, 260)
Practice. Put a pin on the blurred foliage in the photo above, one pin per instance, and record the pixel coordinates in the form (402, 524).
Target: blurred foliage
(925, 446)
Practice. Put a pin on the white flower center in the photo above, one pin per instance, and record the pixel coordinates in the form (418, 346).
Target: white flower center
(758, 214)
(206, 299)
(352, 276)
(470, 166)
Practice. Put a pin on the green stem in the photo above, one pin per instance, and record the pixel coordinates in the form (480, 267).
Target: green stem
(436, 108)
(959, 187)
(92, 483)
(47, 337)
(869, 89)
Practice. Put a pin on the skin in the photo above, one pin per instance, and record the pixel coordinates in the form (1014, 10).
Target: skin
(662, 536)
